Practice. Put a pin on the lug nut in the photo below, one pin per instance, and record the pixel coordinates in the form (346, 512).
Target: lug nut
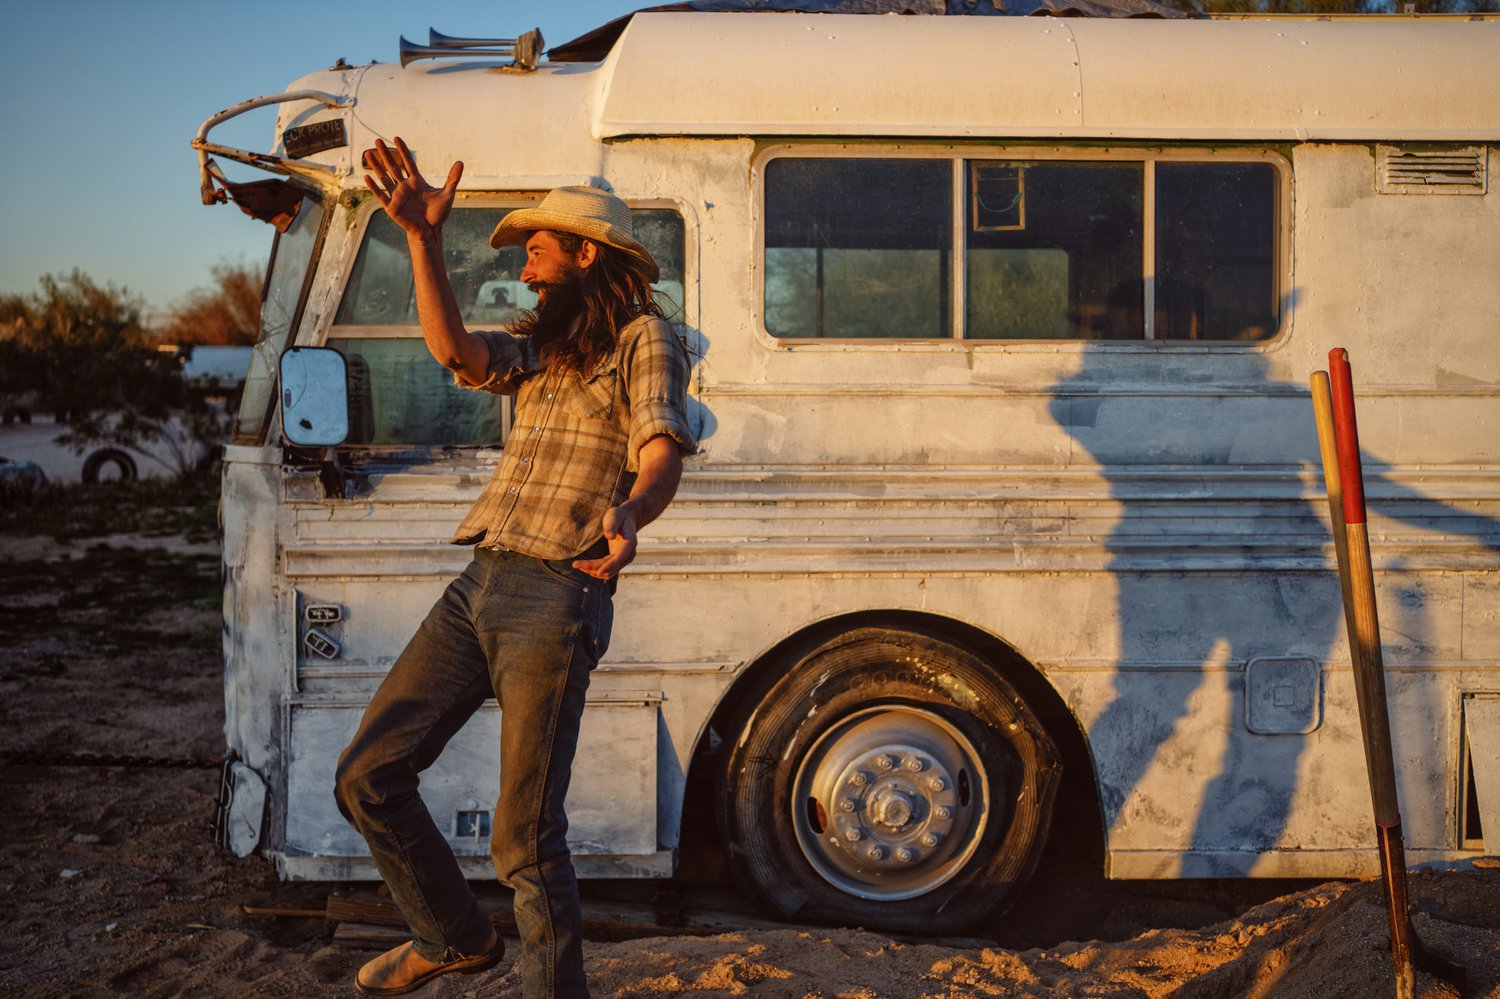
(942, 812)
(875, 852)
(913, 763)
(858, 779)
(929, 839)
(884, 762)
(846, 805)
(852, 835)
(936, 783)
(904, 855)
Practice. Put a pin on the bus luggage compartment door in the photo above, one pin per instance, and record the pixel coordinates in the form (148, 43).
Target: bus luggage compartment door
(611, 808)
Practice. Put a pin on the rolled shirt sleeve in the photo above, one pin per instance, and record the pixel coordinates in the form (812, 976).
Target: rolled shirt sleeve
(656, 371)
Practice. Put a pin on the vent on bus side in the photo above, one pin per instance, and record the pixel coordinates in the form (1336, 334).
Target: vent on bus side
(1424, 171)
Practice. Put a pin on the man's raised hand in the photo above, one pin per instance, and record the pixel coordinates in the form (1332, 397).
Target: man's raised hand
(412, 203)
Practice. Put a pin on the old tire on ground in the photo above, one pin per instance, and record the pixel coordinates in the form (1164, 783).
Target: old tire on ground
(109, 464)
(890, 780)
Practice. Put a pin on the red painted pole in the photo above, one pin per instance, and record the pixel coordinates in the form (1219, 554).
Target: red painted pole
(1369, 673)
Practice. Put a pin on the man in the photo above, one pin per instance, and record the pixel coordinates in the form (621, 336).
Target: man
(594, 455)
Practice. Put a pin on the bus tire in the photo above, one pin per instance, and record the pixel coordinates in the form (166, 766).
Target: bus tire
(110, 463)
(890, 780)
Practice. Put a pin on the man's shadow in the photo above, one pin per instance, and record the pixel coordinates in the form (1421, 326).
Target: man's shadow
(1194, 605)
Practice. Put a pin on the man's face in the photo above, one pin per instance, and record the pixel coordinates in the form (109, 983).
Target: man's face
(549, 265)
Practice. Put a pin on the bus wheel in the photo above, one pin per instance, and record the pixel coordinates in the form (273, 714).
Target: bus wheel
(890, 780)
(109, 464)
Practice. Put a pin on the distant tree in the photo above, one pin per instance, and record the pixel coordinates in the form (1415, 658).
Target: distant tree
(227, 313)
(19, 372)
(78, 349)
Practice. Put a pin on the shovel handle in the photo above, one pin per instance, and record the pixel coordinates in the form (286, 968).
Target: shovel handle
(1328, 448)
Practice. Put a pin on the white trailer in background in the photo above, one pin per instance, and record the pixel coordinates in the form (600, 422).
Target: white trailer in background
(1003, 330)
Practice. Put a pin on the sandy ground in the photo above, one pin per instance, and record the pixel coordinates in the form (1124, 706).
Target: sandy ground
(112, 886)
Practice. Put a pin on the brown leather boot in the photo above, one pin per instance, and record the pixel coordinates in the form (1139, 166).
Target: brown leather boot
(402, 969)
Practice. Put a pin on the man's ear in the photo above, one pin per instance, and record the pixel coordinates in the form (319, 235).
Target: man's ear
(588, 252)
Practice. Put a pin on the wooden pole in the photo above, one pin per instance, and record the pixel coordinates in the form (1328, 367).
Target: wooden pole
(1358, 580)
(1333, 483)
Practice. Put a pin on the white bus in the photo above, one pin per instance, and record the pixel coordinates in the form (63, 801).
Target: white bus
(1003, 329)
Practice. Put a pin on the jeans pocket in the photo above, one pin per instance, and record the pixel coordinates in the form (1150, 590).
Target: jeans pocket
(562, 568)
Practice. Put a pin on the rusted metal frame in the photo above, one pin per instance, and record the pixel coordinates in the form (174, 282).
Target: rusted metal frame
(320, 174)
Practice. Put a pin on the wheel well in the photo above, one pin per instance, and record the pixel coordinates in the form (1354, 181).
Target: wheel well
(699, 859)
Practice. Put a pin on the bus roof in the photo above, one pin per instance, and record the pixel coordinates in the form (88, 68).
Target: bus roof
(595, 45)
(1040, 77)
(849, 76)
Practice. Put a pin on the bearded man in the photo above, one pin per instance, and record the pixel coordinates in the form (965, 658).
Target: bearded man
(593, 456)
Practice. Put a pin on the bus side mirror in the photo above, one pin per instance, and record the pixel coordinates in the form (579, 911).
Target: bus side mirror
(314, 397)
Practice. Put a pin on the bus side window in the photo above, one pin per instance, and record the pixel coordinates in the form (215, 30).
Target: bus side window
(1215, 251)
(1052, 249)
(858, 247)
(661, 231)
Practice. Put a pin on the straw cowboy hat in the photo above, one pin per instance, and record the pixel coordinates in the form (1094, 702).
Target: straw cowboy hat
(582, 211)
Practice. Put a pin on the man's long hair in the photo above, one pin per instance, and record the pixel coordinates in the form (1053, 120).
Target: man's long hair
(604, 299)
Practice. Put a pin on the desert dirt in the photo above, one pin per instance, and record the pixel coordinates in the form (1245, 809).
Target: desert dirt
(109, 643)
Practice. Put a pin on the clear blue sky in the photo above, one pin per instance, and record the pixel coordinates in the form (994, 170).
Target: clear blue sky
(99, 99)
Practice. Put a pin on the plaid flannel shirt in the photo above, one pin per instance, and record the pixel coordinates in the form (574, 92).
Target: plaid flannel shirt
(574, 448)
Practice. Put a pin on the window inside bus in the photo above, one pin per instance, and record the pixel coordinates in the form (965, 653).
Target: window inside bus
(1062, 249)
(399, 395)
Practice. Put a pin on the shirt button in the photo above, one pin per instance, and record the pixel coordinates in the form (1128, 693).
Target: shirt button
(525, 461)
(549, 395)
(512, 488)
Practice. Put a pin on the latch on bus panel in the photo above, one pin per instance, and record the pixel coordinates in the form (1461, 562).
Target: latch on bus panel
(317, 641)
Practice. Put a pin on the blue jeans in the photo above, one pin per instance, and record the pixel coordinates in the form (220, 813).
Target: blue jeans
(527, 632)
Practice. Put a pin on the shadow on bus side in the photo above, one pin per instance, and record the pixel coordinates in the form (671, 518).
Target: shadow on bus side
(1220, 559)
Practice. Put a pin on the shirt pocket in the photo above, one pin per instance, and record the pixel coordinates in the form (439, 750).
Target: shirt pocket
(593, 395)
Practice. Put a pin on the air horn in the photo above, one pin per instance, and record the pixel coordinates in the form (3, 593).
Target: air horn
(525, 50)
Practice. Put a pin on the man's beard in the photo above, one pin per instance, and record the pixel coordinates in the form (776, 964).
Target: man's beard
(556, 313)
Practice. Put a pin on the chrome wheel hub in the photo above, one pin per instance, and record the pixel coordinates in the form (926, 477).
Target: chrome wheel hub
(890, 802)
